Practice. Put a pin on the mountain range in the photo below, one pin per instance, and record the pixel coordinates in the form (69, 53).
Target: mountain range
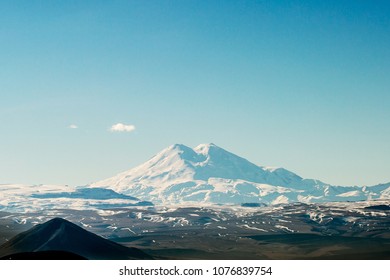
(209, 174)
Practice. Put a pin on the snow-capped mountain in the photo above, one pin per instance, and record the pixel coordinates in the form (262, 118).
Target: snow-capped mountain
(210, 174)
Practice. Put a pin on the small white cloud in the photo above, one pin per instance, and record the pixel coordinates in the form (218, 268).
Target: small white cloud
(73, 126)
(120, 127)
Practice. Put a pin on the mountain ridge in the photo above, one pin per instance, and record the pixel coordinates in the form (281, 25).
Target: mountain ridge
(210, 174)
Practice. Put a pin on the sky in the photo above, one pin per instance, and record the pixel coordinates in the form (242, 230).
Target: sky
(92, 88)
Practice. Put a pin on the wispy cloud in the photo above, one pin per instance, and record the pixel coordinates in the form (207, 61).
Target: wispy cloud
(120, 127)
(73, 126)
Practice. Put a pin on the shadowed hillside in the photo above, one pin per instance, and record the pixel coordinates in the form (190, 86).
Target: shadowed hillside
(61, 235)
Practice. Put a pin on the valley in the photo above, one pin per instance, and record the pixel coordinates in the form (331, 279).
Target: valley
(349, 230)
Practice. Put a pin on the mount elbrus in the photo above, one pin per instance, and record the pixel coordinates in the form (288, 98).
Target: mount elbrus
(210, 174)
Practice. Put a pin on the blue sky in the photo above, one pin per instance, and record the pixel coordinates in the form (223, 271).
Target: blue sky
(298, 84)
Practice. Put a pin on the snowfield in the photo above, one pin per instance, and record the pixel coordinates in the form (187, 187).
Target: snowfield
(35, 198)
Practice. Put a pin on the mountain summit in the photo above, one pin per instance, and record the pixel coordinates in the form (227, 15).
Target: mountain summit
(210, 174)
(179, 163)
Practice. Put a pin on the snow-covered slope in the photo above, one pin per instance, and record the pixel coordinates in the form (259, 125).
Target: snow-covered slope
(179, 163)
(210, 174)
(30, 198)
